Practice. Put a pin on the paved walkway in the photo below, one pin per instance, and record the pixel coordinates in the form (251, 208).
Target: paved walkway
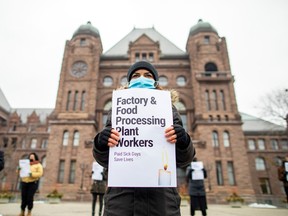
(84, 209)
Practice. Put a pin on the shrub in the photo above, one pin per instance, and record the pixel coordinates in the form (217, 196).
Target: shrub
(54, 194)
(234, 198)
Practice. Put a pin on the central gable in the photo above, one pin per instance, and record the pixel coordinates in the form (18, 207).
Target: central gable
(136, 35)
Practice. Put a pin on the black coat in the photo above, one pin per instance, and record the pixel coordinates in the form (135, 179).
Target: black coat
(196, 187)
(2, 162)
(144, 201)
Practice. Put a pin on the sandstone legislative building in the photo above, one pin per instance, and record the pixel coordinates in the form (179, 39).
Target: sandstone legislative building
(240, 152)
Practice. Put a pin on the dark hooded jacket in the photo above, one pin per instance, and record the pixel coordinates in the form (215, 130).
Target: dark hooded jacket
(144, 201)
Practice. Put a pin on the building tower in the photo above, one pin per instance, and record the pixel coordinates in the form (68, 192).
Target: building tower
(217, 122)
(72, 123)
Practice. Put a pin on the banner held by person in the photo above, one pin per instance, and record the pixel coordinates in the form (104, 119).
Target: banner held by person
(143, 157)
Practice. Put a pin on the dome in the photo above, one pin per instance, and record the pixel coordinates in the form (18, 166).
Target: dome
(202, 27)
(87, 29)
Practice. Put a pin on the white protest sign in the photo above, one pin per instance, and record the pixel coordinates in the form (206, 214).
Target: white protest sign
(143, 157)
(198, 173)
(197, 165)
(286, 166)
(97, 171)
(286, 169)
(24, 164)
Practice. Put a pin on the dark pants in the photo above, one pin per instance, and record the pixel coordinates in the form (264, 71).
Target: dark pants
(94, 203)
(286, 191)
(27, 194)
(198, 202)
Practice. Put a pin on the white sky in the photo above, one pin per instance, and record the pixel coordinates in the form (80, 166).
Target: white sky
(33, 35)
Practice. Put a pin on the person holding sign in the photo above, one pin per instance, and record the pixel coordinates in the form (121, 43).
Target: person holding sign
(195, 178)
(30, 171)
(163, 198)
(98, 187)
(283, 175)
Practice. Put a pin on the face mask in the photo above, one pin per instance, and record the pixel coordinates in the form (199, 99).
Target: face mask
(142, 82)
(31, 160)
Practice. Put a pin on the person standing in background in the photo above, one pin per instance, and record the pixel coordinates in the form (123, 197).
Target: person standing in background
(29, 184)
(2, 161)
(283, 175)
(197, 190)
(98, 188)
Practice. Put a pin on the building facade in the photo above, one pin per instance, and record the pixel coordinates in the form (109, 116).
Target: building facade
(222, 136)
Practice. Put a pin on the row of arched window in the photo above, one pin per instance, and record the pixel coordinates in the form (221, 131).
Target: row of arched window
(215, 139)
(260, 163)
(75, 100)
(75, 141)
(215, 100)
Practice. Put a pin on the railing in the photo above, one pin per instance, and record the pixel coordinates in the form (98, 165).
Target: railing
(213, 74)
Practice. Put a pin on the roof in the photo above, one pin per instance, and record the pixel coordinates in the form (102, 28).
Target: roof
(166, 46)
(4, 102)
(254, 124)
(87, 29)
(202, 27)
(25, 112)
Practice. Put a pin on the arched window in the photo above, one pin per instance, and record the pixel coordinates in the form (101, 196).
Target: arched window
(83, 100)
(226, 139)
(183, 113)
(33, 143)
(260, 163)
(75, 101)
(261, 144)
(106, 109)
(76, 137)
(181, 80)
(214, 100)
(68, 100)
(210, 67)
(215, 140)
(222, 98)
(43, 161)
(207, 100)
(278, 161)
(107, 81)
(274, 144)
(65, 138)
(163, 81)
(123, 81)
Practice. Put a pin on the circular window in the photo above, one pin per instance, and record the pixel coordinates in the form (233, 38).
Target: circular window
(108, 81)
(163, 81)
(123, 81)
(181, 81)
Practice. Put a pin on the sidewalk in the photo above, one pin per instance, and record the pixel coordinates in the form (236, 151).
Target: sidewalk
(84, 209)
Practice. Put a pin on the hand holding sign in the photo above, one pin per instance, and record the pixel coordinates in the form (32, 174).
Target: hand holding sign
(108, 137)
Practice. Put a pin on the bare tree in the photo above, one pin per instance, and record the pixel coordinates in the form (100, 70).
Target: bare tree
(275, 106)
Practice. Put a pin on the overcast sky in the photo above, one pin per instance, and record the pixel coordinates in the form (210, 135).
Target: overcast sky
(33, 35)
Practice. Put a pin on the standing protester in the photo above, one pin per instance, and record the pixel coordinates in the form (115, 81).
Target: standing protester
(29, 185)
(2, 162)
(136, 201)
(196, 191)
(98, 188)
(283, 176)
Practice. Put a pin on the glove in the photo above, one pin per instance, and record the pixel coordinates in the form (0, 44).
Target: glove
(182, 136)
(103, 137)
